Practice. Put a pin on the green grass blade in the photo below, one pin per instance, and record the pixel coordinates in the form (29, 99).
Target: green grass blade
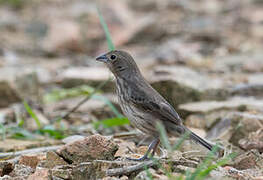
(148, 174)
(163, 136)
(32, 114)
(107, 101)
(221, 162)
(112, 122)
(21, 123)
(181, 140)
(2, 131)
(179, 177)
(106, 31)
(60, 94)
(205, 172)
(187, 174)
(20, 133)
(52, 132)
(207, 161)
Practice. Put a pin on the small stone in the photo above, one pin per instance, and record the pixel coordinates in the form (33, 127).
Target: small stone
(5, 167)
(124, 178)
(233, 103)
(258, 178)
(21, 170)
(124, 147)
(96, 169)
(249, 160)
(110, 178)
(28, 86)
(235, 126)
(30, 160)
(8, 94)
(248, 62)
(87, 170)
(242, 124)
(195, 121)
(40, 174)
(6, 177)
(93, 76)
(221, 130)
(69, 40)
(253, 141)
(71, 139)
(144, 175)
(52, 160)
(86, 73)
(214, 117)
(185, 85)
(90, 148)
(95, 108)
(7, 115)
(62, 172)
(250, 89)
(56, 178)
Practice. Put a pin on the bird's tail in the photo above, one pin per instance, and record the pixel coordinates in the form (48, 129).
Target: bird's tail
(200, 140)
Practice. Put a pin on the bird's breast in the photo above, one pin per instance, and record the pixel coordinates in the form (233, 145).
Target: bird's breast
(138, 118)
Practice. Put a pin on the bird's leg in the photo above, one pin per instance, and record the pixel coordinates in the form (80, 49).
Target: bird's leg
(153, 146)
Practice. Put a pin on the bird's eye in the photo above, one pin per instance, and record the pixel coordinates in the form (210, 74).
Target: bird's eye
(113, 57)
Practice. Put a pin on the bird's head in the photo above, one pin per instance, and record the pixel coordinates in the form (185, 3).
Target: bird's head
(120, 63)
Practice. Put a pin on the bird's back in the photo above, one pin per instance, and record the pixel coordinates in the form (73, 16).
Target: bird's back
(144, 106)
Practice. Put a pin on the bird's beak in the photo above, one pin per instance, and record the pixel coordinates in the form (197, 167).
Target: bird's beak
(102, 58)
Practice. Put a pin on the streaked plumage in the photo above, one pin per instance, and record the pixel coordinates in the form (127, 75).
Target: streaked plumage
(142, 104)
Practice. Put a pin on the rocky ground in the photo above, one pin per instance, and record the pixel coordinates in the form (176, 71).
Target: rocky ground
(205, 57)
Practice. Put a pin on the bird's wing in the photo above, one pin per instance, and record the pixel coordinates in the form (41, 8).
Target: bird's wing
(158, 107)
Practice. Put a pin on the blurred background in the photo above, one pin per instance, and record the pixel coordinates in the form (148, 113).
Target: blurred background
(204, 56)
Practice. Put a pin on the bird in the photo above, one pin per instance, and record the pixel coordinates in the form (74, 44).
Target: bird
(142, 104)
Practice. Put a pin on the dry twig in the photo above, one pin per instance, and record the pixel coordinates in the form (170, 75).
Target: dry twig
(84, 100)
(29, 151)
(127, 170)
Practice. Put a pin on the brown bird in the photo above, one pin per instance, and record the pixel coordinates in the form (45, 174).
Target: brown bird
(142, 104)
